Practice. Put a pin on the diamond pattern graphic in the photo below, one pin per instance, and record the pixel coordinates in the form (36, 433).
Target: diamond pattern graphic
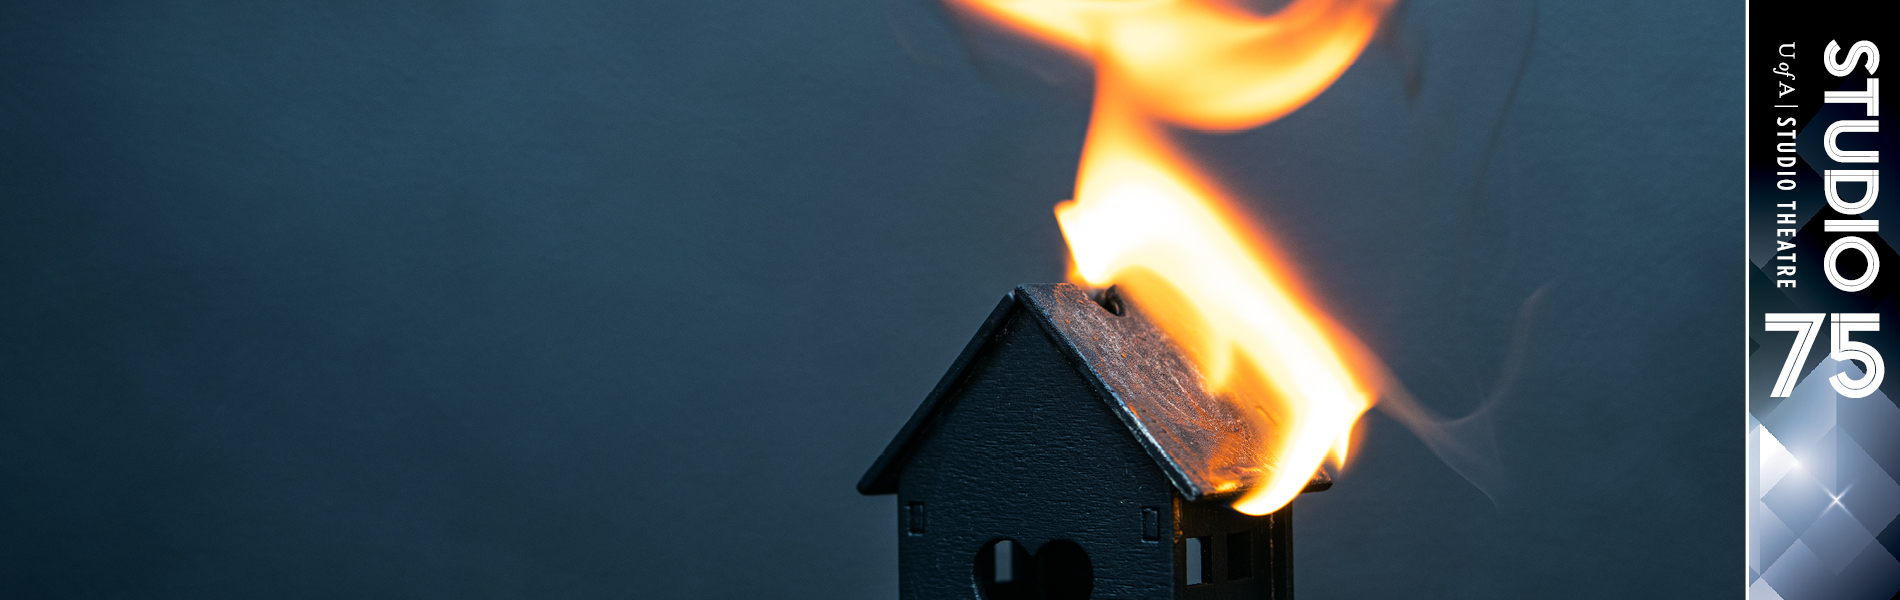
(1762, 591)
(1797, 573)
(1798, 500)
(1873, 574)
(1775, 461)
(1804, 418)
(1865, 490)
(1771, 536)
(1872, 421)
(1836, 538)
(1823, 473)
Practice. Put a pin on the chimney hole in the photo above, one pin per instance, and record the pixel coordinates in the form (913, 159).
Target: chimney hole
(1110, 300)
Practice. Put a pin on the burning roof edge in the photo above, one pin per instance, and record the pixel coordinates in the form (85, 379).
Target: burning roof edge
(1134, 368)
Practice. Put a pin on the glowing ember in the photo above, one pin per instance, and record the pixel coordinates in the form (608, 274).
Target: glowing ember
(1145, 220)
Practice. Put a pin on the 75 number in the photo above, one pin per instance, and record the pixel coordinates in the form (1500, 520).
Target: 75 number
(1806, 326)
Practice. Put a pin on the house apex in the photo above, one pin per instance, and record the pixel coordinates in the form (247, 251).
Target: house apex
(1198, 440)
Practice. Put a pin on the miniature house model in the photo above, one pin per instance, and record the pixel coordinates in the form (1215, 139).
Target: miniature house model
(1071, 452)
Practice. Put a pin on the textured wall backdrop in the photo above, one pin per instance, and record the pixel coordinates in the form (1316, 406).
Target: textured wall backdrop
(577, 298)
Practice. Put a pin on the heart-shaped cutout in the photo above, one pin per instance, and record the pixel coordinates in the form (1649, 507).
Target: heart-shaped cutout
(1059, 570)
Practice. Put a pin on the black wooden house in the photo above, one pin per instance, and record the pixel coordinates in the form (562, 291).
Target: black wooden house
(1071, 452)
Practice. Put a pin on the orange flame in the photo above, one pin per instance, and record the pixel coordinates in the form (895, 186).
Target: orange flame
(1146, 220)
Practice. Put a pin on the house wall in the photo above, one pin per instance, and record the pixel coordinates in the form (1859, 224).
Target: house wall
(1026, 451)
(1265, 551)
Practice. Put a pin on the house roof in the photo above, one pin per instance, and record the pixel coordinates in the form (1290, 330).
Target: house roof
(1197, 439)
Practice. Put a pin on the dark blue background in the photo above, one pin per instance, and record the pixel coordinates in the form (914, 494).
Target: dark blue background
(578, 298)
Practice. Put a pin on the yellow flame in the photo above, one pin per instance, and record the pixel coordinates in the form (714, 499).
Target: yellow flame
(1146, 220)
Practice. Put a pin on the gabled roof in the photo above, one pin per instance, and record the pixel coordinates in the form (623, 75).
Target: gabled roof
(1198, 440)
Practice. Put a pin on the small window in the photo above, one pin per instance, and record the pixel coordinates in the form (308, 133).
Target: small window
(1239, 555)
(914, 518)
(1200, 560)
(1150, 525)
(1003, 561)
